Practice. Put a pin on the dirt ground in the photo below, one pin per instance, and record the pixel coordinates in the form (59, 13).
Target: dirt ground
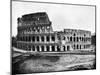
(48, 63)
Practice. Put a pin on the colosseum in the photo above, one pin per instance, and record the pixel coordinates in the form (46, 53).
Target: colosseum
(35, 34)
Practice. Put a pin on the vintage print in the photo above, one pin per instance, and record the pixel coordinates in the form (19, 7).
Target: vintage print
(52, 37)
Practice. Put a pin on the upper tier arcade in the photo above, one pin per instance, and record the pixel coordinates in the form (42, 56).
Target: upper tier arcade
(34, 23)
(40, 18)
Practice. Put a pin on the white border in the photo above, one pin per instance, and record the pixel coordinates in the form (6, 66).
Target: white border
(5, 37)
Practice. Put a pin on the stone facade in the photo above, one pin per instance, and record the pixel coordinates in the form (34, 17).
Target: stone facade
(35, 33)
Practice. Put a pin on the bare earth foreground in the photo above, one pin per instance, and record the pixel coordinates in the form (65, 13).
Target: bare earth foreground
(36, 63)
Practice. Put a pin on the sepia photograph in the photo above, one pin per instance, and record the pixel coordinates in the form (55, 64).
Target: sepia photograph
(52, 37)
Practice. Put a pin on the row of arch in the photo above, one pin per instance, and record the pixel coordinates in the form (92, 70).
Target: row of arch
(35, 29)
(48, 38)
(37, 38)
(78, 39)
(43, 48)
(47, 48)
(78, 46)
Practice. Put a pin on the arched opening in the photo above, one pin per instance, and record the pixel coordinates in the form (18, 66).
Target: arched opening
(70, 38)
(64, 38)
(42, 48)
(53, 48)
(74, 47)
(28, 30)
(29, 38)
(38, 30)
(38, 48)
(26, 38)
(74, 39)
(33, 48)
(33, 29)
(77, 39)
(48, 38)
(42, 38)
(25, 47)
(20, 38)
(29, 48)
(53, 38)
(47, 47)
(80, 46)
(58, 48)
(64, 48)
(38, 38)
(23, 38)
(68, 48)
(84, 47)
(82, 39)
(86, 38)
(48, 28)
(84, 34)
(77, 46)
(58, 37)
(74, 34)
(33, 38)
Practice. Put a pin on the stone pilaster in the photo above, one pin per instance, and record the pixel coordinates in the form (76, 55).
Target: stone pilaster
(50, 48)
(40, 48)
(55, 48)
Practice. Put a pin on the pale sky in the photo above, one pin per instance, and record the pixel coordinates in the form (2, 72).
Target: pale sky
(61, 16)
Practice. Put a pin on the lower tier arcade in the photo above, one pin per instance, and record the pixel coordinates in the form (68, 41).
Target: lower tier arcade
(51, 47)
